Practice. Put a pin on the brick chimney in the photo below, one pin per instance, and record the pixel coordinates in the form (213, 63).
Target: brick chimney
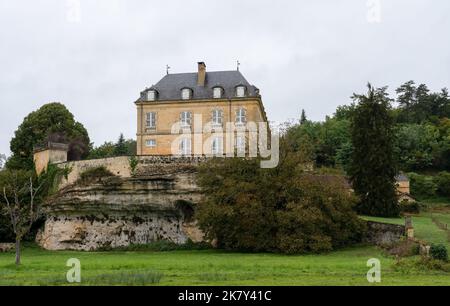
(201, 74)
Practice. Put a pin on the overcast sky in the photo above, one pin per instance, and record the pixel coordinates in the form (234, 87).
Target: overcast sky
(95, 56)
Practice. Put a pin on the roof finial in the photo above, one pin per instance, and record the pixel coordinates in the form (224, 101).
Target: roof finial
(238, 64)
(167, 69)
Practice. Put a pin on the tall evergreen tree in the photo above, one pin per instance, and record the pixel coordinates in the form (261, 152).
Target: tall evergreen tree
(121, 147)
(303, 118)
(373, 168)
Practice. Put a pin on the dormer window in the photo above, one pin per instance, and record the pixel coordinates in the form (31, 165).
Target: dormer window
(217, 92)
(186, 94)
(240, 91)
(151, 95)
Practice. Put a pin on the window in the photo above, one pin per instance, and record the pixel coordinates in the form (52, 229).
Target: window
(217, 93)
(216, 146)
(151, 120)
(150, 143)
(240, 91)
(241, 116)
(186, 119)
(185, 146)
(240, 144)
(186, 94)
(217, 117)
(151, 95)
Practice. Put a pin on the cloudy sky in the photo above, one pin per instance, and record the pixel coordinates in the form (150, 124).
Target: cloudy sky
(95, 56)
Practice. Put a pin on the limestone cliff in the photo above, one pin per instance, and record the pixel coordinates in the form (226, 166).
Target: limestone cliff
(119, 211)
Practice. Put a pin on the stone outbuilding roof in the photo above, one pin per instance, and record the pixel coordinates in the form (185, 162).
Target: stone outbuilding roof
(51, 146)
(401, 178)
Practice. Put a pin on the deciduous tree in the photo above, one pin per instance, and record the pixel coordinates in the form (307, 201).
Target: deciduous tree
(19, 203)
(50, 119)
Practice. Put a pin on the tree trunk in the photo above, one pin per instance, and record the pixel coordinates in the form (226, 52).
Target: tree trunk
(17, 251)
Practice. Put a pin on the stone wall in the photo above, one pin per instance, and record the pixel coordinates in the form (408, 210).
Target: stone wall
(384, 233)
(120, 166)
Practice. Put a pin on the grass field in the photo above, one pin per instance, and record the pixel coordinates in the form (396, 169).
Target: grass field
(212, 267)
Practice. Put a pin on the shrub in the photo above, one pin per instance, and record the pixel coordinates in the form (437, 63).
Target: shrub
(409, 207)
(404, 248)
(442, 182)
(94, 175)
(422, 264)
(278, 210)
(134, 162)
(422, 186)
(434, 264)
(439, 252)
(6, 232)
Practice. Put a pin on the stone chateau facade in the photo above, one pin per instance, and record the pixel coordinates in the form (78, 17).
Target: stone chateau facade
(188, 114)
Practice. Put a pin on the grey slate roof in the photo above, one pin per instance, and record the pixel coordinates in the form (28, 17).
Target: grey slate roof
(170, 86)
(401, 178)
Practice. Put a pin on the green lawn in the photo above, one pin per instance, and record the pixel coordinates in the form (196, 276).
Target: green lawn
(344, 267)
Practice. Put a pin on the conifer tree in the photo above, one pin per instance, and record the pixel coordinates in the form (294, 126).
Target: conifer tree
(303, 118)
(373, 167)
(121, 147)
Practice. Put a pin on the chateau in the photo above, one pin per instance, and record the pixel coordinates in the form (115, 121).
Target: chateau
(192, 113)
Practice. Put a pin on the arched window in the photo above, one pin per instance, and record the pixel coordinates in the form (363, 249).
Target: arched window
(217, 117)
(240, 91)
(241, 116)
(186, 94)
(217, 92)
(216, 146)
